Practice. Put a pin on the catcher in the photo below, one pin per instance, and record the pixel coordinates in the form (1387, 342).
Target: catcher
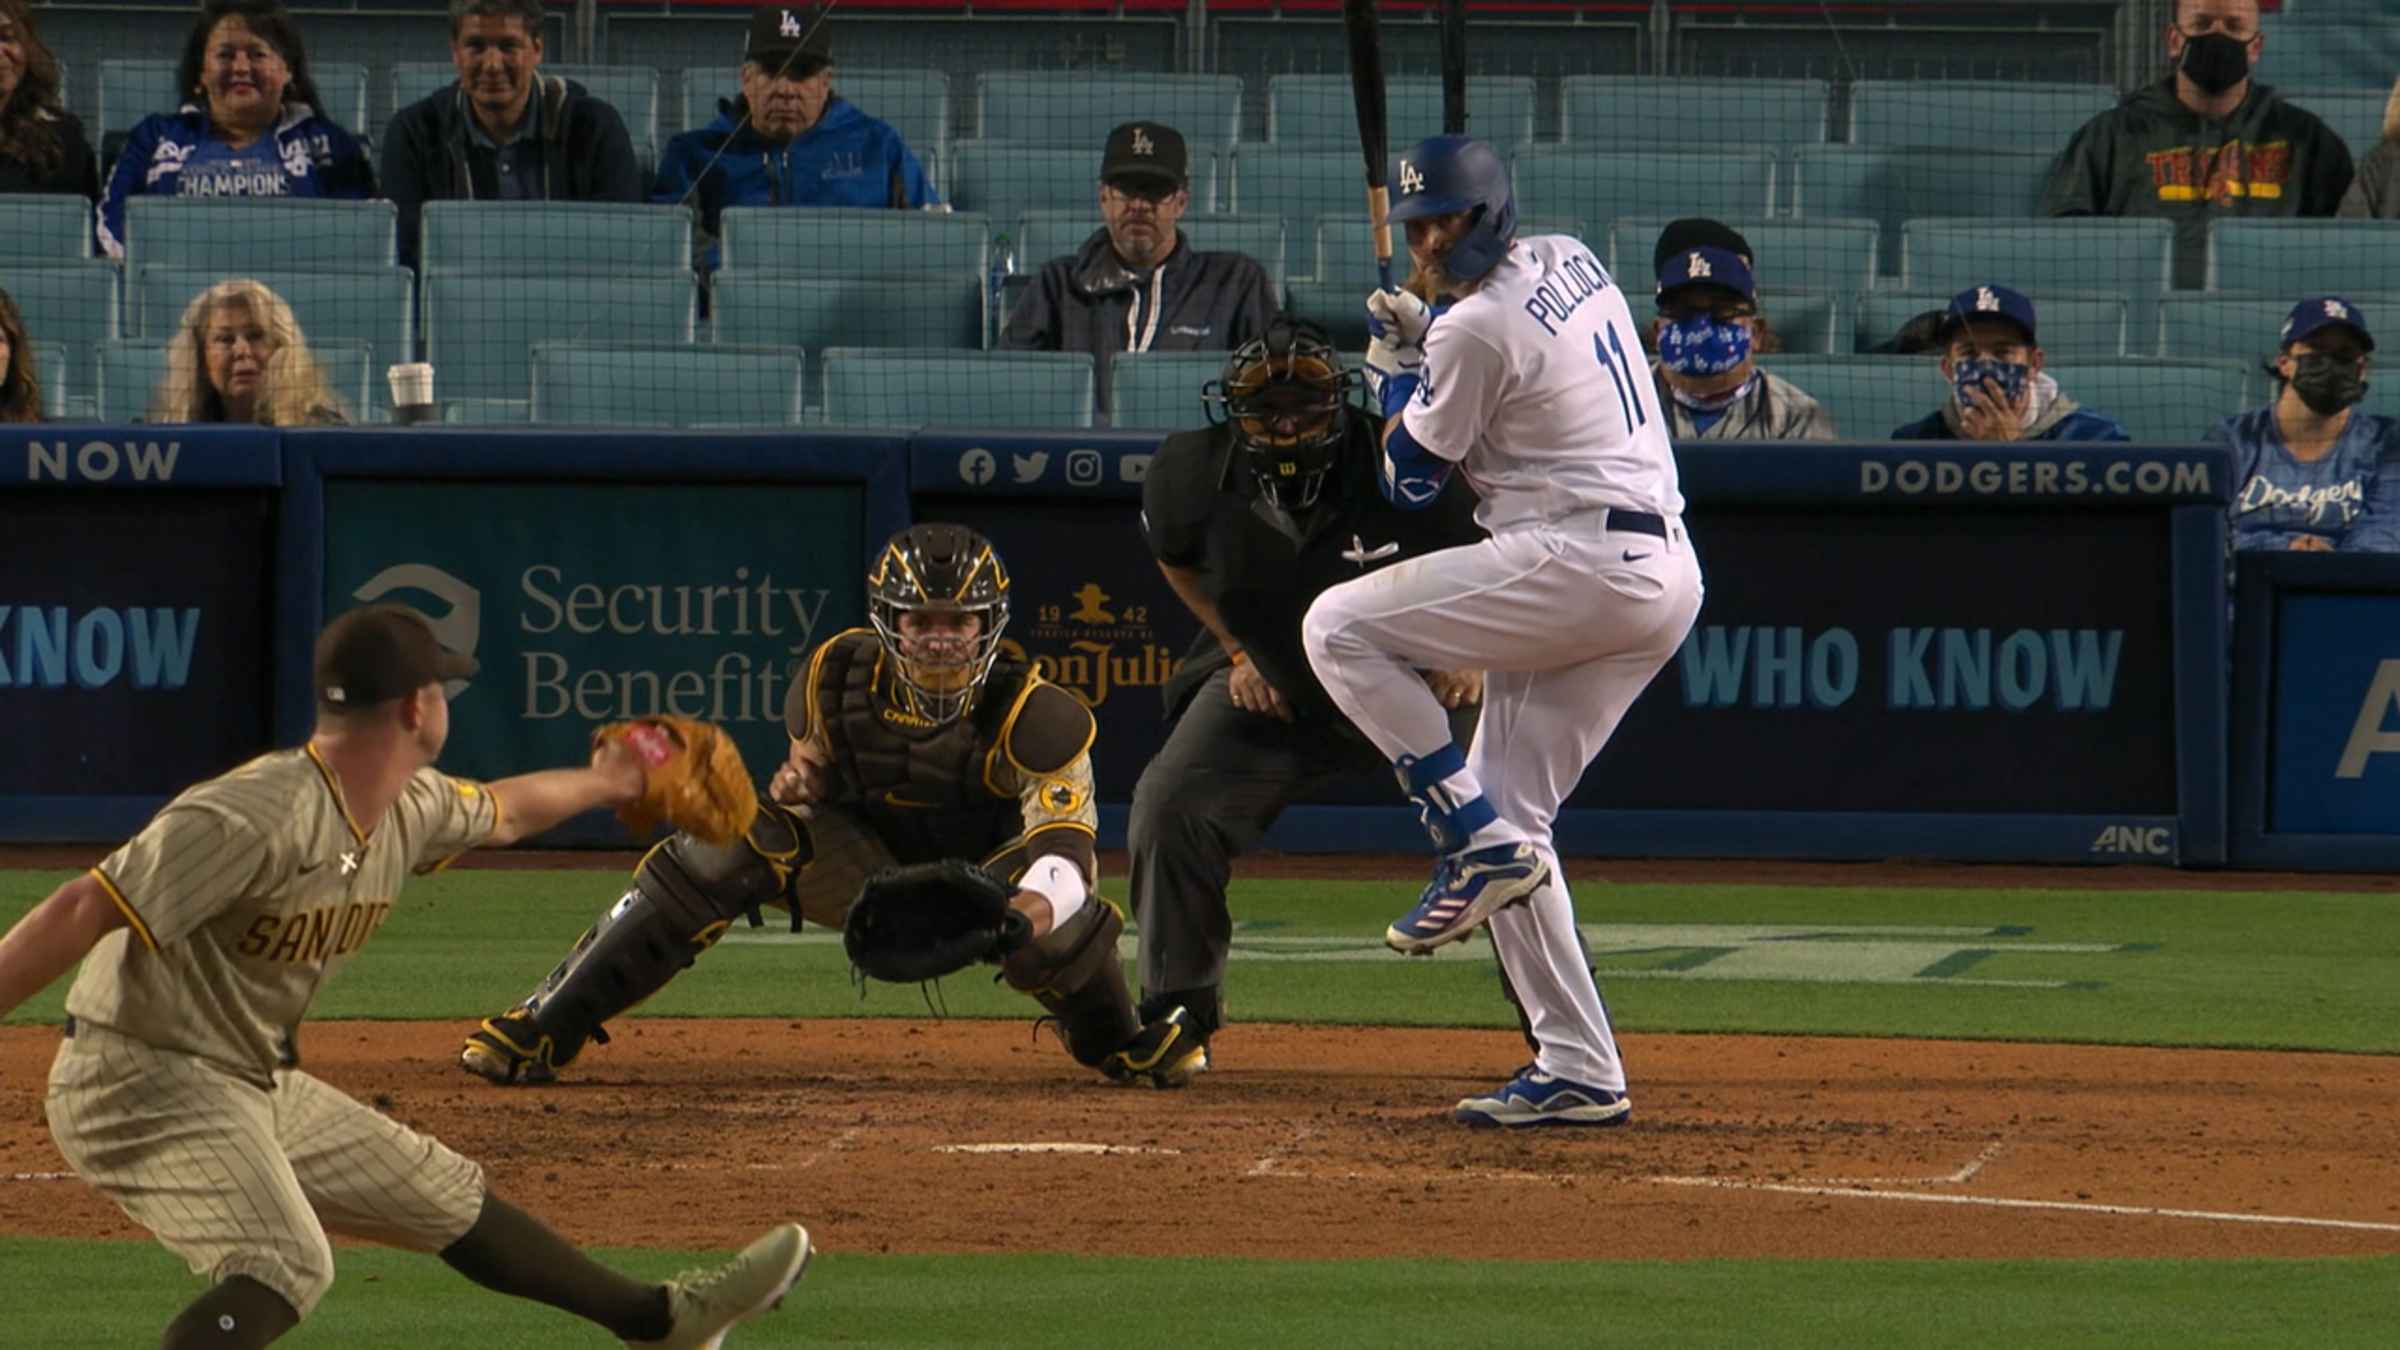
(936, 805)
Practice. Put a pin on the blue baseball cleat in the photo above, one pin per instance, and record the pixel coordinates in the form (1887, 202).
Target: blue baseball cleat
(1467, 888)
(1536, 1098)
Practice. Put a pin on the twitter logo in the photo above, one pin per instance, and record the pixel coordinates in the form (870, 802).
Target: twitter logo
(1030, 467)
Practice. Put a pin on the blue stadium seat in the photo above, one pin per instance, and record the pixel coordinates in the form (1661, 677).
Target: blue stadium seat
(2355, 115)
(1005, 181)
(1076, 108)
(633, 92)
(2325, 44)
(873, 387)
(1160, 391)
(2304, 257)
(1868, 396)
(69, 307)
(853, 240)
(1606, 110)
(1320, 110)
(130, 373)
(1298, 185)
(813, 310)
(2234, 325)
(1963, 114)
(1813, 254)
(241, 234)
(1561, 180)
(478, 329)
(1810, 322)
(632, 384)
(50, 367)
(375, 309)
(1040, 236)
(2161, 400)
(132, 90)
(2071, 325)
(2088, 256)
(412, 81)
(487, 411)
(44, 229)
(1345, 253)
(556, 238)
(1891, 186)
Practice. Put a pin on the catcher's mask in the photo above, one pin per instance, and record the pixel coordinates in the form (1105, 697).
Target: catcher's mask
(939, 569)
(1284, 393)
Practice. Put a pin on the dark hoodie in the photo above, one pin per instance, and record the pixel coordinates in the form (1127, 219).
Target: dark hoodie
(1091, 302)
(2151, 156)
(429, 154)
(846, 159)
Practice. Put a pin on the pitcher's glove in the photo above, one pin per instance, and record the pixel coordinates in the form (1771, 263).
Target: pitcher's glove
(925, 920)
(692, 778)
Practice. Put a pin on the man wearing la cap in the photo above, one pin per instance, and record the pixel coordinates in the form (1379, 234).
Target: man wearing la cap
(1998, 392)
(1137, 284)
(1707, 335)
(2316, 474)
(177, 1092)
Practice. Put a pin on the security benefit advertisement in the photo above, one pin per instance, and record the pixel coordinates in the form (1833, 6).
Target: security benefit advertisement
(133, 638)
(1990, 661)
(2336, 715)
(588, 603)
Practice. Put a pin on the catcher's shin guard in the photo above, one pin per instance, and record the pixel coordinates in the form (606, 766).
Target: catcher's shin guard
(685, 894)
(1074, 972)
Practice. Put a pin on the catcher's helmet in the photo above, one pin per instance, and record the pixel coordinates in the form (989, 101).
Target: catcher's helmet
(1443, 175)
(939, 569)
(1285, 393)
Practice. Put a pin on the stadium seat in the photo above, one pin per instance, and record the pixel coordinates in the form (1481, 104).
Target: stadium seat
(1298, 185)
(2071, 325)
(132, 90)
(633, 92)
(853, 241)
(238, 234)
(2087, 256)
(412, 81)
(2321, 44)
(1962, 114)
(1891, 186)
(795, 308)
(2355, 115)
(632, 384)
(44, 229)
(1560, 180)
(2172, 401)
(1605, 109)
(1319, 110)
(1337, 306)
(915, 102)
(70, 307)
(130, 373)
(1809, 322)
(1815, 254)
(1077, 108)
(2304, 257)
(1040, 236)
(873, 387)
(478, 328)
(486, 411)
(1345, 253)
(50, 367)
(2232, 325)
(1868, 396)
(373, 309)
(1160, 391)
(556, 238)
(1005, 181)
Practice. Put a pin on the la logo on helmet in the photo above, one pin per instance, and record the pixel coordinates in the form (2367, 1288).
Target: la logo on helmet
(1699, 266)
(1984, 299)
(1410, 179)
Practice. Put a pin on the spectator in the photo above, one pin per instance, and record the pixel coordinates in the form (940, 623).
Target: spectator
(2375, 193)
(1707, 334)
(1998, 391)
(790, 139)
(2208, 141)
(249, 127)
(2315, 473)
(20, 385)
(238, 355)
(504, 132)
(41, 144)
(1137, 285)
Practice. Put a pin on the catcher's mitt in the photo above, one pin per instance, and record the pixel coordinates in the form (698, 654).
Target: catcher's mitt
(693, 778)
(925, 920)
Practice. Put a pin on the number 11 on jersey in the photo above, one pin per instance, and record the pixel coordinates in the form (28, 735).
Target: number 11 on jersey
(1623, 373)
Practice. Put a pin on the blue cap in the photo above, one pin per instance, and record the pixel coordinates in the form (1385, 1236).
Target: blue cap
(1989, 302)
(2322, 311)
(1707, 266)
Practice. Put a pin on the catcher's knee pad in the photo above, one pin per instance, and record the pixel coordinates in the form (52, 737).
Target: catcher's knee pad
(1074, 972)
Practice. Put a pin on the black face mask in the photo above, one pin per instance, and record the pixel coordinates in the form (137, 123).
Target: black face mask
(2215, 62)
(2327, 384)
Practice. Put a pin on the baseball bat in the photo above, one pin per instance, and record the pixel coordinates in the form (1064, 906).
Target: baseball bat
(1454, 67)
(1366, 90)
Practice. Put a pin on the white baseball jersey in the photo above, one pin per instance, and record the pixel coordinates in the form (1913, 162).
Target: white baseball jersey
(1537, 385)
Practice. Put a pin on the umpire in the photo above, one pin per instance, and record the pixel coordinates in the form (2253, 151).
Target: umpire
(1277, 500)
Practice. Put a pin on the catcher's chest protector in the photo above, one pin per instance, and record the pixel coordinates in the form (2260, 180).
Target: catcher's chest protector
(903, 773)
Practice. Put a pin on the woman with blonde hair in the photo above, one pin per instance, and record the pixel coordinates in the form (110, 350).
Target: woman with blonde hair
(239, 356)
(20, 390)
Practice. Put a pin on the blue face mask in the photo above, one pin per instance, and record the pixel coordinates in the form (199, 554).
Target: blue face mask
(1702, 346)
(2008, 376)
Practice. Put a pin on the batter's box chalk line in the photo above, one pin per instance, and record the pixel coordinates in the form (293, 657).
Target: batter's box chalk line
(42, 1176)
(1057, 1146)
(1959, 1177)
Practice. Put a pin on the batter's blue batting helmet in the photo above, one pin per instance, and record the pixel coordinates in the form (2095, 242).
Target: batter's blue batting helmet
(1441, 175)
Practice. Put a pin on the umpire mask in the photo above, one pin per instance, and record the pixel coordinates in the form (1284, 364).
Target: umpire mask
(927, 578)
(1286, 395)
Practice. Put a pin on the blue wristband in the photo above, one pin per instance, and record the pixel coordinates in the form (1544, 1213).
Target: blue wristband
(1397, 391)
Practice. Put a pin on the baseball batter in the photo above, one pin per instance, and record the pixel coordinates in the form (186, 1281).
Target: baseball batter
(178, 1093)
(1532, 383)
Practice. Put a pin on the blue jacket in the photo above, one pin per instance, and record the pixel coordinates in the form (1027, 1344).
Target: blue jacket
(2350, 498)
(846, 159)
(180, 155)
(2063, 420)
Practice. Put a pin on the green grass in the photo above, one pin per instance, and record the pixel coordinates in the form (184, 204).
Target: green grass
(391, 1299)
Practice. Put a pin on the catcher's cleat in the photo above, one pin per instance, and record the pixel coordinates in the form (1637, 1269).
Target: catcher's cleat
(1168, 1053)
(706, 1304)
(510, 1049)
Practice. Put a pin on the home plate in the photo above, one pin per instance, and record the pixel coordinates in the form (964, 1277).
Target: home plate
(1054, 1147)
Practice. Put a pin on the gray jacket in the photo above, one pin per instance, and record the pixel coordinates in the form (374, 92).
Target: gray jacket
(1775, 409)
(1090, 302)
(2375, 193)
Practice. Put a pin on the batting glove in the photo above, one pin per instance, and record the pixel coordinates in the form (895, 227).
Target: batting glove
(1395, 357)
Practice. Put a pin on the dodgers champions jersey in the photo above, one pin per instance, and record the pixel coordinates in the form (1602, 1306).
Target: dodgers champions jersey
(1537, 385)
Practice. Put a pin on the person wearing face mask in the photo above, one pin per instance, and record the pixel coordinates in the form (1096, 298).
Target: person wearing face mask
(2375, 193)
(2207, 142)
(1707, 370)
(790, 138)
(504, 131)
(250, 125)
(2316, 474)
(1998, 391)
